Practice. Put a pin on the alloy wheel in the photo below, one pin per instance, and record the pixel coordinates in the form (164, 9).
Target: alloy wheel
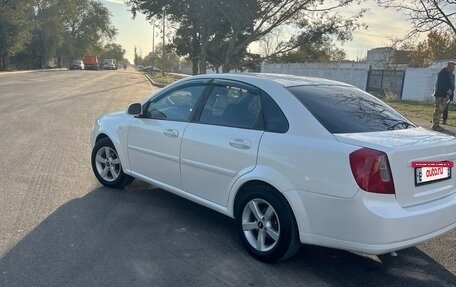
(260, 224)
(108, 164)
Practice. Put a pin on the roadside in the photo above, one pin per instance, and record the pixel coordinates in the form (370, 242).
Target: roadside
(426, 123)
(160, 81)
(421, 114)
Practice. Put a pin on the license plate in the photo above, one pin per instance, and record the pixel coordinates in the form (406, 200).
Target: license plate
(425, 175)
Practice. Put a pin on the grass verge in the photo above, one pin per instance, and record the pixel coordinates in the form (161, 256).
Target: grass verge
(420, 110)
(164, 80)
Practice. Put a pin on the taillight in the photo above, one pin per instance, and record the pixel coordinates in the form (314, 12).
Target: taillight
(372, 171)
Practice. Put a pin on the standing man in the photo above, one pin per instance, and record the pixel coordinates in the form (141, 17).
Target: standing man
(444, 88)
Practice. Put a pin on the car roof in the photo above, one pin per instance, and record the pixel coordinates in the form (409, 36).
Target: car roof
(284, 80)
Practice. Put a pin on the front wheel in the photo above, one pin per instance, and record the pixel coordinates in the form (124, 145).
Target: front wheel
(266, 225)
(107, 166)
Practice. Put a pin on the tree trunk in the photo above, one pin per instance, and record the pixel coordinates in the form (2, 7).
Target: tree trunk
(204, 41)
(195, 66)
(226, 68)
(229, 56)
(203, 69)
(195, 46)
(5, 63)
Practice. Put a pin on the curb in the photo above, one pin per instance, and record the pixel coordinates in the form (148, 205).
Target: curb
(152, 82)
(2, 73)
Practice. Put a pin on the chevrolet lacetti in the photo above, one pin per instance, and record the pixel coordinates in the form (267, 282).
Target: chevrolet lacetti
(293, 159)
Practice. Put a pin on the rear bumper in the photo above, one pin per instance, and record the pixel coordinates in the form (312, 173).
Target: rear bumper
(369, 223)
(90, 67)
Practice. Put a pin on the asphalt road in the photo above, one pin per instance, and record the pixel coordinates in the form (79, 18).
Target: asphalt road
(60, 227)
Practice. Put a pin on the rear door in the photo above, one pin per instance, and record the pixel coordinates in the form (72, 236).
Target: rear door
(223, 143)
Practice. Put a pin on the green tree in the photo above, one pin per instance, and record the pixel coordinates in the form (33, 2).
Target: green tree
(66, 29)
(172, 60)
(231, 26)
(15, 29)
(317, 41)
(437, 46)
(196, 21)
(113, 51)
(48, 32)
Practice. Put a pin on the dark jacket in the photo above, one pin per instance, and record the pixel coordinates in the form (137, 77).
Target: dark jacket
(445, 82)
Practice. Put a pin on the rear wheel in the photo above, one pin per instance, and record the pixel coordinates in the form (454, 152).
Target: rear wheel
(107, 166)
(266, 224)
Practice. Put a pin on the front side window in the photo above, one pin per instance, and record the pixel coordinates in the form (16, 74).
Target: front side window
(231, 106)
(342, 109)
(177, 105)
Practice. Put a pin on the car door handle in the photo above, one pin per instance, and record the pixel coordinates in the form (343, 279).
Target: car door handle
(240, 143)
(171, 133)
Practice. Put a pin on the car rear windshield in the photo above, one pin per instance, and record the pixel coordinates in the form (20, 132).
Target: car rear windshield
(345, 109)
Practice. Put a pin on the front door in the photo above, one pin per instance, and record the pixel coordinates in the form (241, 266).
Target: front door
(154, 140)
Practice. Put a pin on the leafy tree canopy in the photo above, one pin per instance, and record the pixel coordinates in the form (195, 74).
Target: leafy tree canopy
(42, 30)
(15, 29)
(229, 27)
(437, 46)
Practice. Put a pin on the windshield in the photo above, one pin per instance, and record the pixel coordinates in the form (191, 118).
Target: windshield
(342, 109)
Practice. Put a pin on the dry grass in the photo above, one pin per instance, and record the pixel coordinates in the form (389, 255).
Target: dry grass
(163, 80)
(420, 110)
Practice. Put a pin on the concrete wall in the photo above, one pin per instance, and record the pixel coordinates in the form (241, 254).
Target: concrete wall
(350, 73)
(418, 82)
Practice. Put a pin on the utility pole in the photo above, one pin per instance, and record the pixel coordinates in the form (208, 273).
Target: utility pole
(152, 62)
(163, 44)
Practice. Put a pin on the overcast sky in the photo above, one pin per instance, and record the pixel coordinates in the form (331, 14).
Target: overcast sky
(384, 24)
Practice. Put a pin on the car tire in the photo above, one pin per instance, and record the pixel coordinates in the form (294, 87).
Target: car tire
(266, 224)
(107, 166)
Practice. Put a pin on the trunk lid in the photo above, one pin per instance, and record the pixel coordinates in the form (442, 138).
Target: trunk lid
(403, 147)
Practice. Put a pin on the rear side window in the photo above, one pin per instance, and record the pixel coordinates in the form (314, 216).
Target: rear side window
(343, 109)
(274, 119)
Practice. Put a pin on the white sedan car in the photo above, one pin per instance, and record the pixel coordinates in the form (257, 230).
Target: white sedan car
(294, 160)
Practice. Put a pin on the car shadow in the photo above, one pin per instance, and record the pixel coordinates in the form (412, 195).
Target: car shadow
(144, 236)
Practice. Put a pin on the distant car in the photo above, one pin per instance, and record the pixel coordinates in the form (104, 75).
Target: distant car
(151, 69)
(292, 159)
(77, 65)
(90, 62)
(109, 64)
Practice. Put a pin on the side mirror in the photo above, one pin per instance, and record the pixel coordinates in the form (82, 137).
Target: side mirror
(135, 109)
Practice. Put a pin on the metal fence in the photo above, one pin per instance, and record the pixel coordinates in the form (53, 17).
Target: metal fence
(386, 83)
